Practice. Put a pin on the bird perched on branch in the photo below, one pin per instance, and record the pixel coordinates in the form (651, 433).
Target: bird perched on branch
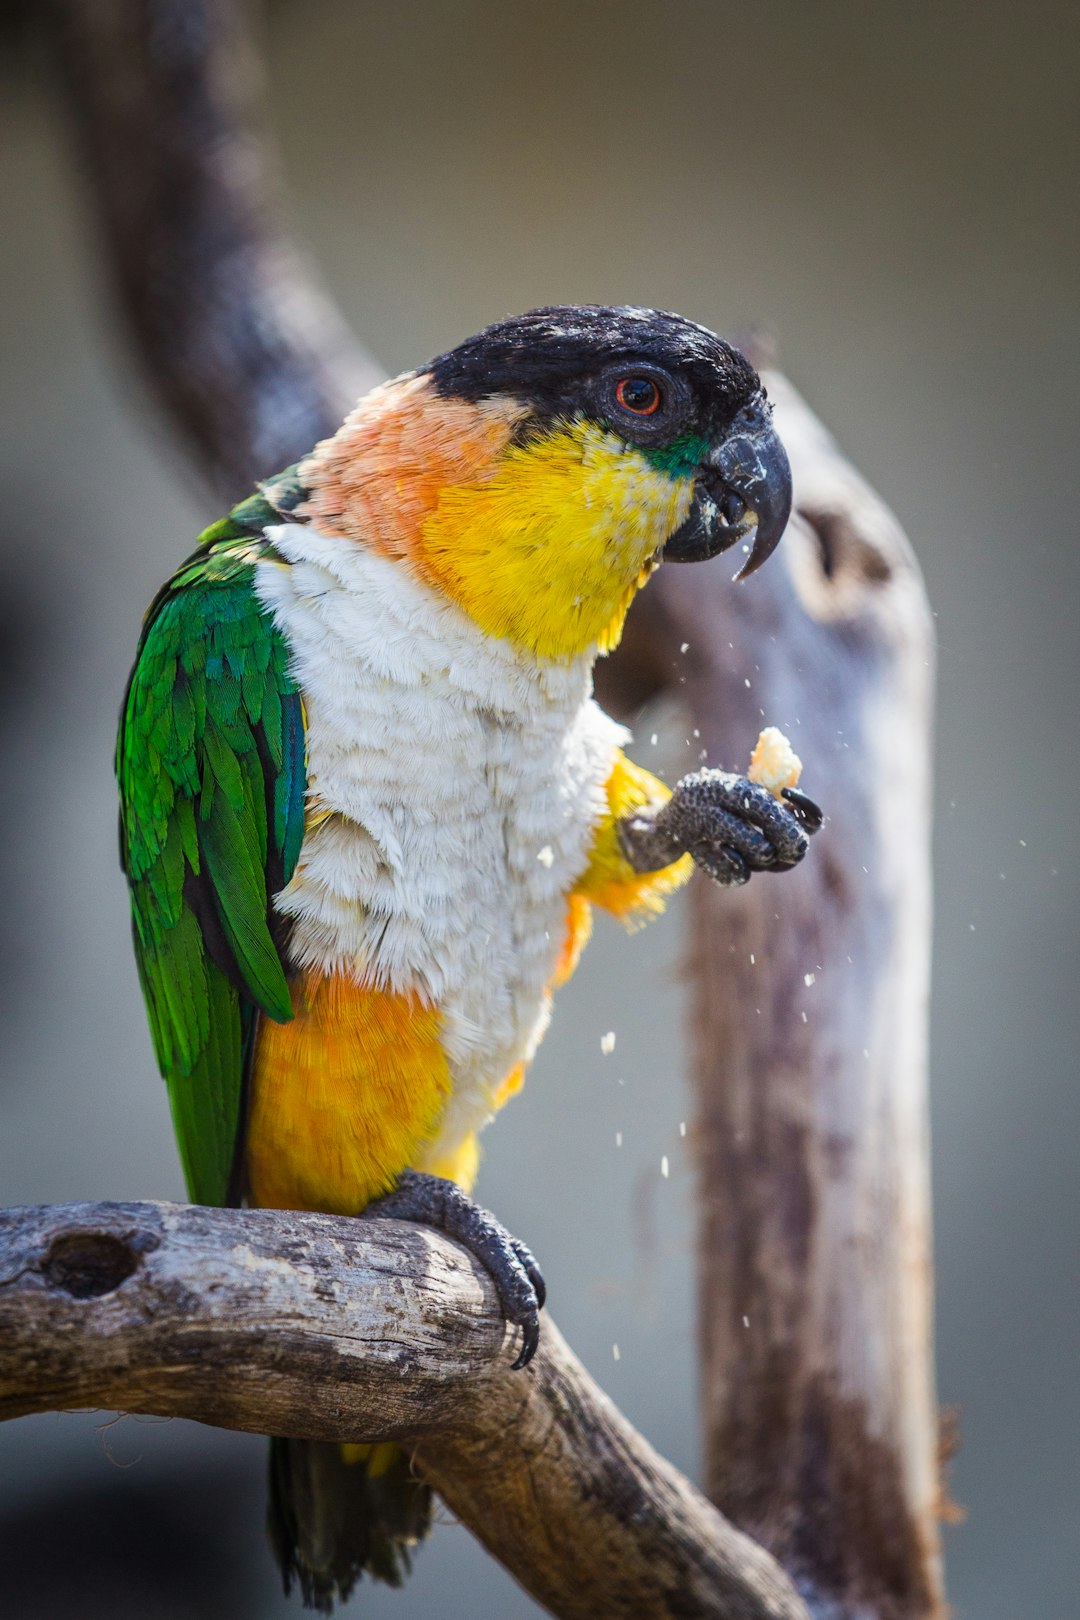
(369, 804)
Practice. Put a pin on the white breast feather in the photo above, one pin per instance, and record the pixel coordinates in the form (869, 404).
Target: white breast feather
(462, 781)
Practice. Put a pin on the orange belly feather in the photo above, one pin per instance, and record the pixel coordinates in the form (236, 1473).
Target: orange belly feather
(344, 1097)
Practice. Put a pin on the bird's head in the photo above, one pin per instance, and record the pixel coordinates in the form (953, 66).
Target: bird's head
(541, 470)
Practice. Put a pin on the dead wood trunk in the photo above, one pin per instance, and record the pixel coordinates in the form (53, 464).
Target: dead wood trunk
(810, 1000)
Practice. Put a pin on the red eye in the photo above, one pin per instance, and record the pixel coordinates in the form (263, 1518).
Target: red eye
(639, 395)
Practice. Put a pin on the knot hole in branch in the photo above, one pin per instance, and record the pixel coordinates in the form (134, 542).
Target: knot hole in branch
(845, 549)
(89, 1264)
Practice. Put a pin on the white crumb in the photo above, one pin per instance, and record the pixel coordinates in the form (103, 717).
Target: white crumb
(774, 764)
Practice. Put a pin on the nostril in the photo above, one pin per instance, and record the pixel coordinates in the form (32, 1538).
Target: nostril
(89, 1264)
(732, 507)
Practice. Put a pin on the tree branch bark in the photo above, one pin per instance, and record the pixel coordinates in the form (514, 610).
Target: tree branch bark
(326, 1328)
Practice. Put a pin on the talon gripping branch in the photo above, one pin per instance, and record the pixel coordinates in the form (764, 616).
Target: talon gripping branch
(369, 804)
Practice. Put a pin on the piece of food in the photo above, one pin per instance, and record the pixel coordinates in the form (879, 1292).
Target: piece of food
(774, 764)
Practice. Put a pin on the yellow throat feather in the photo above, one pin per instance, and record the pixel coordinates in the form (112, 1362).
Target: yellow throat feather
(549, 548)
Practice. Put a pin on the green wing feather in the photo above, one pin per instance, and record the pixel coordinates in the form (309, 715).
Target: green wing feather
(210, 762)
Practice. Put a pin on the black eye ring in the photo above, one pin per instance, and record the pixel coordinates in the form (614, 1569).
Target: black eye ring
(639, 395)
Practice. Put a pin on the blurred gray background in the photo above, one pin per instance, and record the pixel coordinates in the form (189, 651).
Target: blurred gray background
(893, 188)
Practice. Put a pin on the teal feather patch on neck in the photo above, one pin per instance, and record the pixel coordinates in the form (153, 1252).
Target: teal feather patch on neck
(680, 459)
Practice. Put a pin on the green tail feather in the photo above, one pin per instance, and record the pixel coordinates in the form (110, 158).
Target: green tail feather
(332, 1520)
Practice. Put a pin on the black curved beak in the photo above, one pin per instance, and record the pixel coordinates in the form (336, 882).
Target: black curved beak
(743, 493)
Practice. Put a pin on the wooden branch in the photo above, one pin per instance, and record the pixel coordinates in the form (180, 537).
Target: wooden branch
(326, 1328)
(810, 1000)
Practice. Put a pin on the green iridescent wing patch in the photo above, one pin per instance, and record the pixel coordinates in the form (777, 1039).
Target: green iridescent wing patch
(210, 762)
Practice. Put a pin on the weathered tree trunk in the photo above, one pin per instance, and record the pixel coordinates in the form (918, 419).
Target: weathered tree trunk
(815, 1277)
(327, 1328)
(810, 1019)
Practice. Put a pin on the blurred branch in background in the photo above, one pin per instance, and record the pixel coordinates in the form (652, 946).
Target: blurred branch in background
(810, 1008)
(327, 1328)
(248, 355)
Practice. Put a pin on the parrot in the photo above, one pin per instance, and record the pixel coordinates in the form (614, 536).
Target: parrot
(369, 804)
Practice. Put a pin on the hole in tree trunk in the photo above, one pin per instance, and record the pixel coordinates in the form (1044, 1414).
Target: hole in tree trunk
(89, 1264)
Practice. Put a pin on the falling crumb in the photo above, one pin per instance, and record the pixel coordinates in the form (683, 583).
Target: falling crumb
(615, 1352)
(774, 764)
(618, 1138)
(665, 1168)
(808, 979)
(546, 856)
(685, 648)
(607, 1043)
(682, 1127)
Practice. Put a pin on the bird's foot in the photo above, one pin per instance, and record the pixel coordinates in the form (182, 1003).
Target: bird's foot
(730, 825)
(519, 1282)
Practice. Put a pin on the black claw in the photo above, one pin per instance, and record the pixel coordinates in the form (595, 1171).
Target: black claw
(808, 813)
(532, 1270)
(530, 1339)
(518, 1280)
(740, 867)
(724, 864)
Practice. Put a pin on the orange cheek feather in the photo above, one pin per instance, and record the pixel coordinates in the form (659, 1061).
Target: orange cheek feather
(382, 474)
(344, 1097)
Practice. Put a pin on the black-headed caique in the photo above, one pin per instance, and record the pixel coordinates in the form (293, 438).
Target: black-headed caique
(369, 803)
